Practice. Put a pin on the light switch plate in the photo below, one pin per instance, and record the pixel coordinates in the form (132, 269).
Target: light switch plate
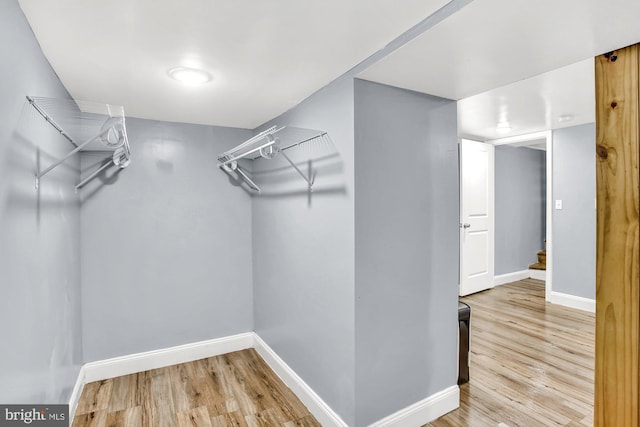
(558, 204)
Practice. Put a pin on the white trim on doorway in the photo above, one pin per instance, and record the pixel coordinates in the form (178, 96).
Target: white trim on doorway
(548, 136)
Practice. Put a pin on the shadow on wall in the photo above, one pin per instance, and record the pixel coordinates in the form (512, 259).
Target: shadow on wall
(323, 175)
(105, 177)
(40, 248)
(24, 158)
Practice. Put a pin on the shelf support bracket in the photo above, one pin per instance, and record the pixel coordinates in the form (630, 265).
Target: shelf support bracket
(233, 166)
(309, 180)
(249, 180)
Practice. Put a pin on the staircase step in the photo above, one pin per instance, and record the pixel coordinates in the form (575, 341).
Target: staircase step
(538, 266)
(542, 259)
(542, 252)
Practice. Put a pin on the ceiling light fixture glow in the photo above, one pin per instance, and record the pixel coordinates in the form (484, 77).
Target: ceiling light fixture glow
(503, 127)
(565, 118)
(189, 76)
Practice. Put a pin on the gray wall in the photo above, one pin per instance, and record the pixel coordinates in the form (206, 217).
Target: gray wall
(574, 227)
(39, 230)
(520, 203)
(406, 210)
(166, 244)
(304, 260)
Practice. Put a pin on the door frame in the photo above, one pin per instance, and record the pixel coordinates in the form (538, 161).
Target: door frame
(491, 187)
(548, 136)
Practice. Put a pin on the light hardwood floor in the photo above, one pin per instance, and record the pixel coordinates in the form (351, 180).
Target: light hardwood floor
(531, 363)
(234, 389)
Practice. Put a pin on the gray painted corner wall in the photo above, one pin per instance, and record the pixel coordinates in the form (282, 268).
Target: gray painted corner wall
(166, 243)
(520, 206)
(39, 230)
(303, 248)
(407, 249)
(574, 227)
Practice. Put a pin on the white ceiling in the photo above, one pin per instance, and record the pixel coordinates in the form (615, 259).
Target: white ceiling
(531, 105)
(493, 43)
(265, 56)
(490, 43)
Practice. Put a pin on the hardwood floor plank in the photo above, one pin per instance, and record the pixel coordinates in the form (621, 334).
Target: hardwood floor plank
(194, 388)
(272, 417)
(92, 419)
(196, 417)
(232, 384)
(267, 389)
(234, 389)
(95, 397)
(123, 393)
(130, 417)
(230, 419)
(531, 362)
(157, 399)
(307, 421)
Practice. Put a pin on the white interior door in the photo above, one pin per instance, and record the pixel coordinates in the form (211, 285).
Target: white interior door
(476, 216)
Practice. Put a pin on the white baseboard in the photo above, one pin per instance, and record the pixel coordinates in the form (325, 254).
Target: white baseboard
(118, 366)
(139, 362)
(510, 277)
(75, 394)
(417, 414)
(538, 274)
(318, 408)
(573, 301)
(425, 411)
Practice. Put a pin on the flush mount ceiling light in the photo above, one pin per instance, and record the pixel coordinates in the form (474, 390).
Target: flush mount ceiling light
(189, 76)
(565, 118)
(503, 127)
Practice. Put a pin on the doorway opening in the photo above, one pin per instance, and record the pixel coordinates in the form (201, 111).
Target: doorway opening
(542, 142)
(478, 210)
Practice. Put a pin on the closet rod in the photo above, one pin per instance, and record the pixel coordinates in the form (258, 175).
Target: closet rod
(230, 153)
(93, 175)
(243, 155)
(50, 120)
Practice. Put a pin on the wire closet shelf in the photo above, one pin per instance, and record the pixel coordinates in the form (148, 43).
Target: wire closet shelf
(88, 126)
(271, 143)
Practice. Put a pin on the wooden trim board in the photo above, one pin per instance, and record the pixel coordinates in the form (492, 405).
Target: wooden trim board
(618, 238)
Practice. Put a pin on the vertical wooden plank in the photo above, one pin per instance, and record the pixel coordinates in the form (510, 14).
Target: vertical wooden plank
(617, 272)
